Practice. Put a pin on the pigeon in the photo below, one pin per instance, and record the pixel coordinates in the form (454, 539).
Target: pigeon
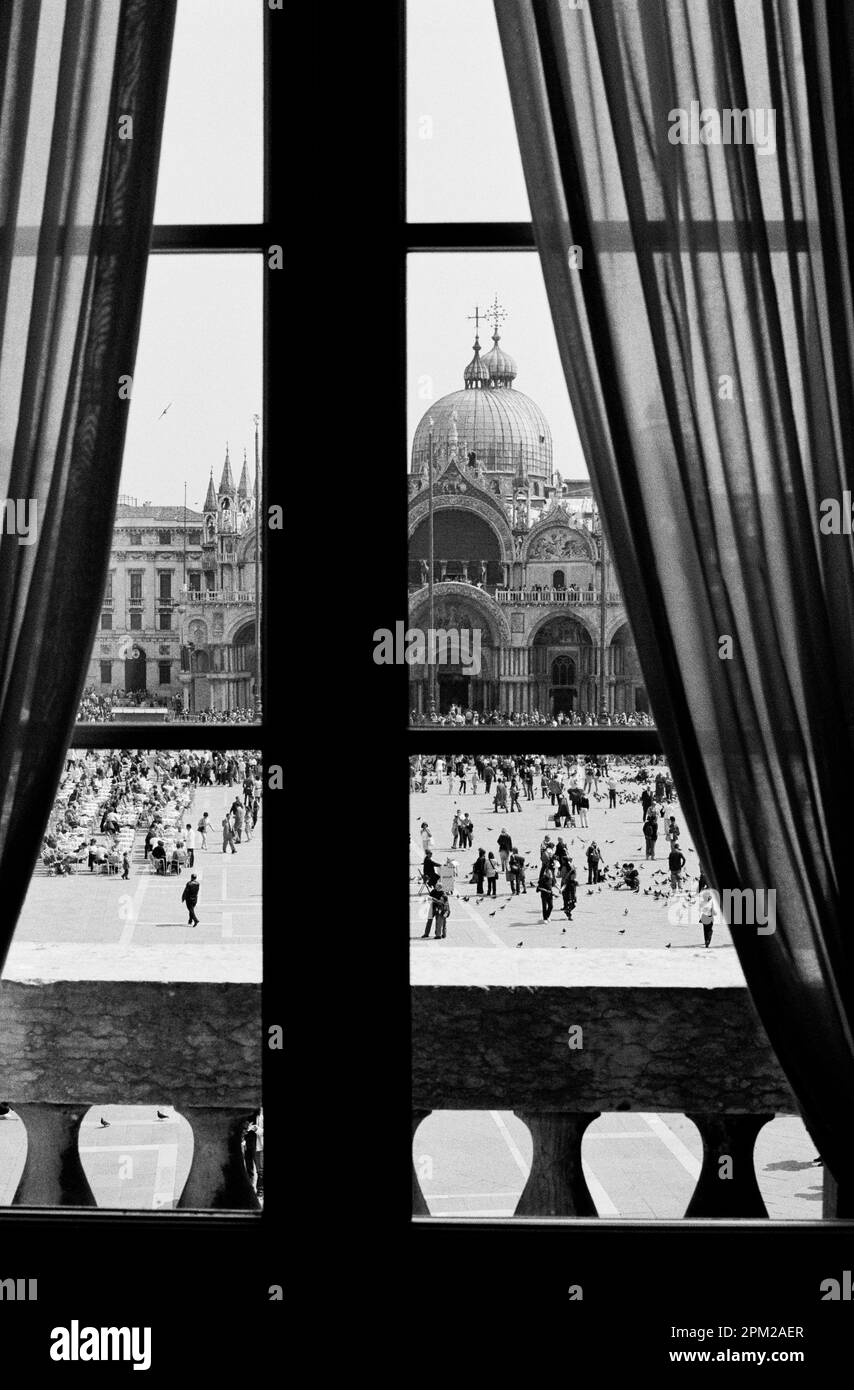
(622, 931)
(518, 944)
(161, 1116)
(492, 914)
(625, 912)
(105, 1124)
(667, 946)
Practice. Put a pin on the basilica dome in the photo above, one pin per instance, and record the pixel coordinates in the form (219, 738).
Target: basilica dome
(504, 428)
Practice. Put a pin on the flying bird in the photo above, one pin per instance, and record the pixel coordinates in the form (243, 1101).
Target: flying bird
(163, 412)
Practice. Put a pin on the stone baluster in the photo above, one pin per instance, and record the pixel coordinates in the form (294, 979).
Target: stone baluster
(728, 1137)
(556, 1184)
(419, 1205)
(217, 1177)
(53, 1175)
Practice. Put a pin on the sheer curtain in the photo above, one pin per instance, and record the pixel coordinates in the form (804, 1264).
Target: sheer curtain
(697, 262)
(82, 95)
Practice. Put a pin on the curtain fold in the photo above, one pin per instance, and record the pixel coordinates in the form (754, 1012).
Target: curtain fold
(693, 203)
(82, 96)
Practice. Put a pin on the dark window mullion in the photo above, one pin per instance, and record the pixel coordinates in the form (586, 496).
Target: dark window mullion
(215, 237)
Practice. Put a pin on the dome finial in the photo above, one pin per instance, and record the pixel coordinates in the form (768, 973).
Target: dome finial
(475, 374)
(496, 313)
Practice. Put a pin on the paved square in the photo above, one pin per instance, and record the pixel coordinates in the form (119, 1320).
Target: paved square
(139, 1161)
(475, 1163)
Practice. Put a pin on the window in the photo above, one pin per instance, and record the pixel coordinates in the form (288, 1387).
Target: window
(165, 582)
(106, 620)
(106, 672)
(136, 585)
(194, 537)
(135, 538)
(164, 620)
(194, 578)
(164, 537)
(165, 672)
(135, 623)
(210, 584)
(108, 592)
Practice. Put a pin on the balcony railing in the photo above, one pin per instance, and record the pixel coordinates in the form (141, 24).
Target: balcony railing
(491, 1031)
(580, 598)
(220, 596)
(135, 602)
(136, 1039)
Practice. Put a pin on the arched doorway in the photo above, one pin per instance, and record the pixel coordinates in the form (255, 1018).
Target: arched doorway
(135, 669)
(562, 661)
(563, 686)
(559, 579)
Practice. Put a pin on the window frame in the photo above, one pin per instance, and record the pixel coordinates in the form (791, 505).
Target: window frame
(416, 238)
(236, 238)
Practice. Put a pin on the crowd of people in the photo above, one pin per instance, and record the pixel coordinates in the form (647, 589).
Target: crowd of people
(106, 797)
(459, 717)
(98, 707)
(567, 783)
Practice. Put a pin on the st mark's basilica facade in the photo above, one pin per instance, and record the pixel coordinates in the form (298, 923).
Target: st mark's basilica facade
(518, 555)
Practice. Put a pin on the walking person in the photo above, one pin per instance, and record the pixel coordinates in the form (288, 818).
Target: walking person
(430, 870)
(612, 792)
(650, 834)
(672, 831)
(516, 871)
(203, 827)
(479, 871)
(455, 829)
(491, 876)
(707, 916)
(583, 808)
(545, 888)
(594, 859)
(514, 796)
(228, 834)
(676, 863)
(190, 897)
(190, 842)
(125, 865)
(438, 897)
(505, 845)
(569, 885)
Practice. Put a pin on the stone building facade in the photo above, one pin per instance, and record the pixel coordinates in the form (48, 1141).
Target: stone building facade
(178, 614)
(518, 557)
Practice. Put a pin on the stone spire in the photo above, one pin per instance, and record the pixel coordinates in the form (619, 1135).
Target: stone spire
(244, 487)
(210, 499)
(226, 485)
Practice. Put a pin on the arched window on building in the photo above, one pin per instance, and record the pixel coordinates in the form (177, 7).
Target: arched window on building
(563, 671)
(558, 580)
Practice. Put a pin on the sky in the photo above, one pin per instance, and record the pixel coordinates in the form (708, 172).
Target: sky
(463, 164)
(200, 344)
(462, 156)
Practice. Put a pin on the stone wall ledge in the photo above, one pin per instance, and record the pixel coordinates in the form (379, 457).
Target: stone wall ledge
(660, 1031)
